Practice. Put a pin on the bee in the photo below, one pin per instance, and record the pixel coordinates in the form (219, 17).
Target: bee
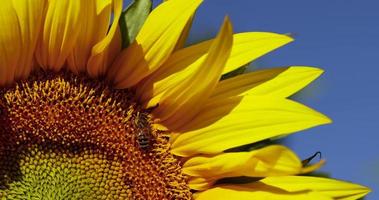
(143, 131)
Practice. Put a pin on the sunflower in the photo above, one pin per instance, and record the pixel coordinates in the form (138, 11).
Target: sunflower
(83, 117)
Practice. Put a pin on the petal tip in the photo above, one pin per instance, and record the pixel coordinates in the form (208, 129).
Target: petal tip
(177, 151)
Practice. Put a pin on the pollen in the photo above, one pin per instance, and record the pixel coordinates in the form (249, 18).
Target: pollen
(64, 136)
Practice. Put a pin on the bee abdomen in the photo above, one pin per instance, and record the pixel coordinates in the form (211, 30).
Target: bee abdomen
(143, 140)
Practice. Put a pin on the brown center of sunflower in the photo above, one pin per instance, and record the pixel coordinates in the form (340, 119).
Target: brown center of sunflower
(69, 137)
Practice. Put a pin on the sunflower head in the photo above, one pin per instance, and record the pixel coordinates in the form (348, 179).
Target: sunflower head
(96, 103)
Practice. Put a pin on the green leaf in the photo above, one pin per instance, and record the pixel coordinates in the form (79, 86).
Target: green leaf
(132, 19)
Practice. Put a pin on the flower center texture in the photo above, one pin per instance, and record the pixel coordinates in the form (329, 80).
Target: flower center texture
(69, 137)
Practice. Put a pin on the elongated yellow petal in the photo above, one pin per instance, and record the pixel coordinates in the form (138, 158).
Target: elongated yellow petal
(59, 35)
(199, 183)
(274, 82)
(10, 44)
(328, 187)
(181, 103)
(154, 43)
(20, 21)
(273, 160)
(261, 192)
(94, 25)
(237, 121)
(30, 15)
(183, 37)
(246, 47)
(288, 187)
(105, 51)
(254, 45)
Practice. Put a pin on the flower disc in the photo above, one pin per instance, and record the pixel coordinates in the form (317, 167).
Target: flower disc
(65, 137)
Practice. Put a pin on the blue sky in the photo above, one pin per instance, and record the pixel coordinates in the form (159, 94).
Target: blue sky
(340, 36)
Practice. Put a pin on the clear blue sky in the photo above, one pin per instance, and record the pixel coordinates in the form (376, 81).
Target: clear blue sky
(340, 36)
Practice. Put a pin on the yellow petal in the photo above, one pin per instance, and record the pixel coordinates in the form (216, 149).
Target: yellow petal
(181, 103)
(289, 188)
(94, 25)
(241, 192)
(59, 35)
(199, 183)
(237, 121)
(183, 37)
(10, 42)
(279, 82)
(329, 187)
(154, 43)
(246, 47)
(105, 51)
(21, 23)
(273, 160)
(254, 45)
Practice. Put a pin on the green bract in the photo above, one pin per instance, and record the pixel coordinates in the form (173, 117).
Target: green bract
(132, 19)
